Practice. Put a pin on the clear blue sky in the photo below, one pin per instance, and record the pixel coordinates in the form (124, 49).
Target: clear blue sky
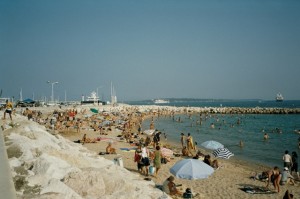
(233, 49)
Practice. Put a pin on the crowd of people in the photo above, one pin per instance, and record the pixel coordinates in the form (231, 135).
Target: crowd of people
(278, 177)
(75, 120)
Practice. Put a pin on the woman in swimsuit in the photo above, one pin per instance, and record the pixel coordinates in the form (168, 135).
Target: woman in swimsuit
(274, 175)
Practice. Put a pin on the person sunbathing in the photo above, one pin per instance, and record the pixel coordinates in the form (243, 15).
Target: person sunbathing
(263, 176)
(87, 140)
(170, 187)
(214, 164)
(185, 151)
(110, 149)
(286, 177)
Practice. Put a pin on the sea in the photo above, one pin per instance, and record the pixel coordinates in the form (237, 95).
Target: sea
(250, 129)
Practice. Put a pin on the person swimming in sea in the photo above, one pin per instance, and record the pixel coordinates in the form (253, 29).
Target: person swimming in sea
(266, 136)
(241, 144)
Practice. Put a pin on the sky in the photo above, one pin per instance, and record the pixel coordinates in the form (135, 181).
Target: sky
(233, 49)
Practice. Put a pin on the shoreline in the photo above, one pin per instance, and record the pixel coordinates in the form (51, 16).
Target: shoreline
(232, 175)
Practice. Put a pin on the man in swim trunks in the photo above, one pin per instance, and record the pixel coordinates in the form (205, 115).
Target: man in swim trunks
(8, 109)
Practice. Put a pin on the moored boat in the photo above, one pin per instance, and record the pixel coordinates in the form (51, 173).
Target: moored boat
(161, 101)
(92, 99)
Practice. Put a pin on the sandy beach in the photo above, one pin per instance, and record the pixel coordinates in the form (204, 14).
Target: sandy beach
(226, 181)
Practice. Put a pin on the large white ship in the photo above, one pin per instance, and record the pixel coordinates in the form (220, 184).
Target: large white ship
(279, 97)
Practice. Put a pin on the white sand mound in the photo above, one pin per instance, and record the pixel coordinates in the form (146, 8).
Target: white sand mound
(48, 166)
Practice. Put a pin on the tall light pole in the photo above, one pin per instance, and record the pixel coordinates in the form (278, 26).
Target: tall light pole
(52, 95)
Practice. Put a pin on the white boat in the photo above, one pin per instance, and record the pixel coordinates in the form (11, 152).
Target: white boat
(161, 101)
(92, 99)
(279, 97)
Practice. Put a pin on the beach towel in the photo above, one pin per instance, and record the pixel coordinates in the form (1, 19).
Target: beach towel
(256, 190)
(128, 149)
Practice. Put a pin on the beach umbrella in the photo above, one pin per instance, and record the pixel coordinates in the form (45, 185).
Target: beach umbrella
(149, 131)
(222, 153)
(94, 110)
(191, 169)
(212, 145)
(166, 152)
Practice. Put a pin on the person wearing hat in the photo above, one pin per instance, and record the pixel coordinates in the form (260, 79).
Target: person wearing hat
(286, 177)
(169, 187)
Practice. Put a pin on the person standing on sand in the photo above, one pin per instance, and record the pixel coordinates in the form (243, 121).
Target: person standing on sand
(8, 109)
(156, 139)
(190, 143)
(274, 176)
(145, 159)
(287, 160)
(157, 160)
(138, 158)
(295, 164)
(182, 139)
(152, 125)
(140, 129)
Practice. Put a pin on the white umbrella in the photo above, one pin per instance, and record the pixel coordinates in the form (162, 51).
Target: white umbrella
(222, 153)
(191, 169)
(212, 145)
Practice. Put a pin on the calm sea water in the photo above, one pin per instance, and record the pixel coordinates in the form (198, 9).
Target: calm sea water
(250, 130)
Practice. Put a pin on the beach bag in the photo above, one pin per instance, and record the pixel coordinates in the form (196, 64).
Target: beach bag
(163, 160)
(151, 170)
(188, 193)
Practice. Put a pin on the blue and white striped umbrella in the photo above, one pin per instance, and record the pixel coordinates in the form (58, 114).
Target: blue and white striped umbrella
(222, 153)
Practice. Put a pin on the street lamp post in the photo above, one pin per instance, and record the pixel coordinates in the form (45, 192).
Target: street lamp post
(52, 95)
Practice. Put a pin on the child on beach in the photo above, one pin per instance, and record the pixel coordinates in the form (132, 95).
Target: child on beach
(110, 149)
